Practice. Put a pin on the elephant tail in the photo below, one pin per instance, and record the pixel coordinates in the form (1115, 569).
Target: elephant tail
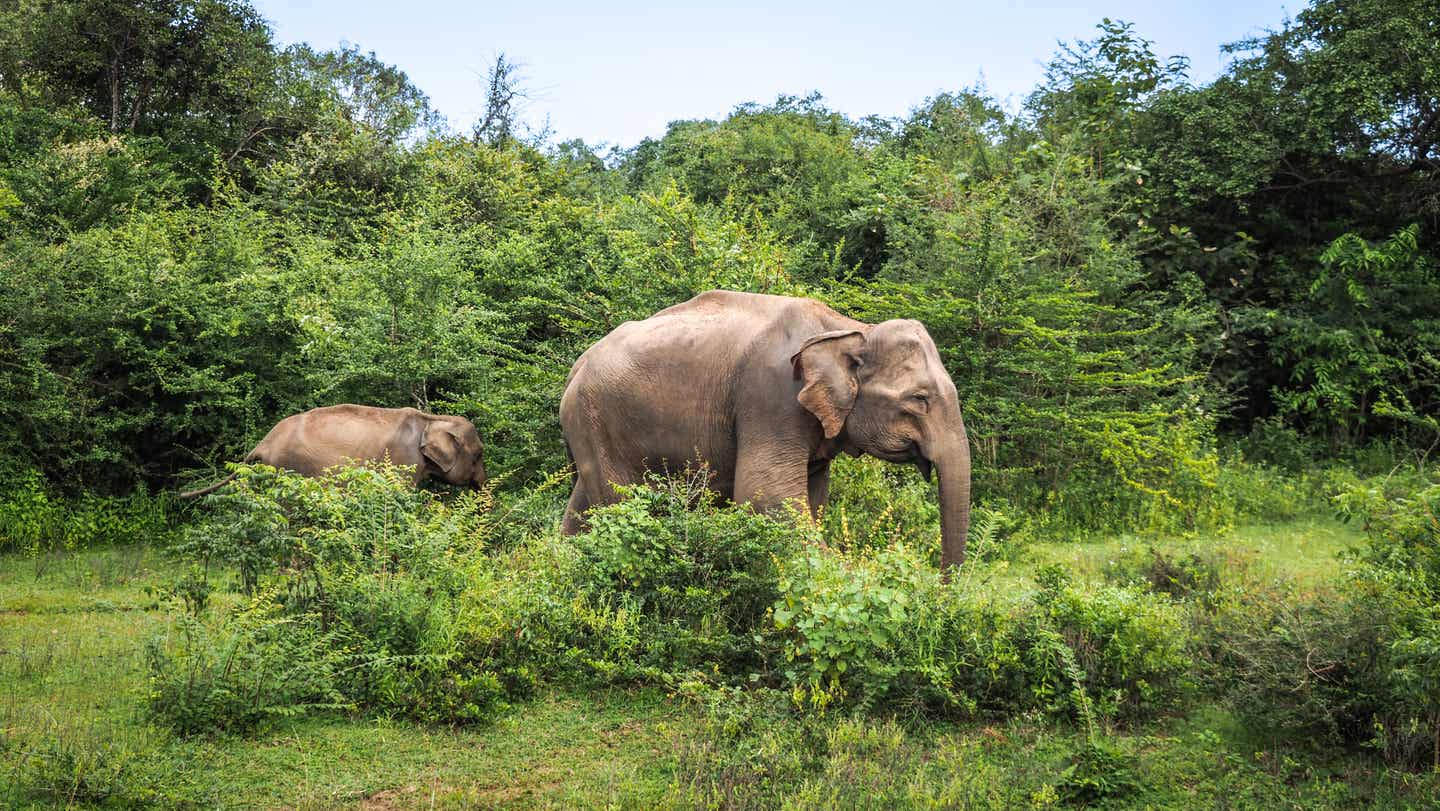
(189, 494)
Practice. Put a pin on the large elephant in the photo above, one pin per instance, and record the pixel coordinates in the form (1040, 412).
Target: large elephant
(308, 443)
(766, 390)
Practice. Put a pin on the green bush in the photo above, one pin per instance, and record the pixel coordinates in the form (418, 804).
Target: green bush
(34, 519)
(1196, 576)
(699, 578)
(365, 575)
(875, 504)
(883, 631)
(272, 522)
(1134, 648)
(1358, 663)
(843, 617)
(259, 665)
(424, 616)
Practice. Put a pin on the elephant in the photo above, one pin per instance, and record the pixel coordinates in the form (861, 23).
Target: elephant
(308, 443)
(765, 390)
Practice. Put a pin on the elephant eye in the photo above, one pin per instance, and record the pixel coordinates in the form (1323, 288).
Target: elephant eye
(921, 399)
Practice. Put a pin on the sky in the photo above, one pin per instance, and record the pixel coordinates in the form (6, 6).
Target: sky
(615, 73)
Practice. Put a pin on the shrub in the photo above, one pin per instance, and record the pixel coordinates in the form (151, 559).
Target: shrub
(968, 655)
(1403, 529)
(883, 631)
(420, 615)
(357, 581)
(1358, 663)
(259, 665)
(843, 617)
(1196, 576)
(698, 577)
(34, 519)
(875, 504)
(371, 518)
(1133, 648)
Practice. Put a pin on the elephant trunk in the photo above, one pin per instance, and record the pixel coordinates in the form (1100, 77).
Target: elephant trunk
(952, 463)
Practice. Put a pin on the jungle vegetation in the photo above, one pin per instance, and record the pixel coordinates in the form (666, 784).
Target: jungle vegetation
(1174, 309)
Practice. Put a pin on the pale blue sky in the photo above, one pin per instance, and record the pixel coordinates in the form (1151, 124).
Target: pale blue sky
(621, 71)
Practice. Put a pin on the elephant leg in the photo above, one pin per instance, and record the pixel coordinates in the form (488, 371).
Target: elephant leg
(819, 487)
(771, 482)
(598, 468)
(574, 523)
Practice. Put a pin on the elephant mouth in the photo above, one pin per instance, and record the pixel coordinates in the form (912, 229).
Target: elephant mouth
(903, 456)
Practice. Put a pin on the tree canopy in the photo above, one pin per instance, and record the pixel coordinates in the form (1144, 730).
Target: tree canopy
(1136, 273)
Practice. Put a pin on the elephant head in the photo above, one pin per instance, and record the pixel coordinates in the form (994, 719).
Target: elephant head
(452, 447)
(883, 391)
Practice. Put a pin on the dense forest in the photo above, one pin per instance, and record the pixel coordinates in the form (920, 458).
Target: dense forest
(204, 232)
(1170, 307)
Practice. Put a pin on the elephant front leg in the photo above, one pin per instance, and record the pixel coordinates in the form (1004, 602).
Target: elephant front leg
(773, 481)
(818, 487)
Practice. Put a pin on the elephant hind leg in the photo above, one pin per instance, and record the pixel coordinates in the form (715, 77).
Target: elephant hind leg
(574, 522)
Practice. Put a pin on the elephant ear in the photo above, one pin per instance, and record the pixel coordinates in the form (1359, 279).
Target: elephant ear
(440, 445)
(829, 363)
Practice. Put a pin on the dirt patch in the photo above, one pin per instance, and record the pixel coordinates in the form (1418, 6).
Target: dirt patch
(501, 795)
(404, 797)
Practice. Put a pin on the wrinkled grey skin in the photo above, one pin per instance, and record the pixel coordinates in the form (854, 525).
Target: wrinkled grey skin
(767, 390)
(438, 445)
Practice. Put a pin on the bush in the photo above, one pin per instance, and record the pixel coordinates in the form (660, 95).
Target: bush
(883, 631)
(1357, 664)
(875, 504)
(1193, 576)
(357, 581)
(1133, 648)
(843, 617)
(34, 519)
(699, 578)
(258, 666)
(420, 615)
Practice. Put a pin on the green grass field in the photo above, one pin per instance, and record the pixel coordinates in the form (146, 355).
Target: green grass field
(72, 675)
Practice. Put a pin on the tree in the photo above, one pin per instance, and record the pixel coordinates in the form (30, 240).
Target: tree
(504, 97)
(1325, 133)
(150, 67)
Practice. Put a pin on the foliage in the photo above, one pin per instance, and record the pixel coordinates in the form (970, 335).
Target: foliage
(35, 519)
(1289, 189)
(259, 666)
(1367, 353)
(873, 504)
(1353, 665)
(843, 620)
(290, 227)
(1132, 649)
(698, 578)
(882, 631)
(356, 582)
(418, 616)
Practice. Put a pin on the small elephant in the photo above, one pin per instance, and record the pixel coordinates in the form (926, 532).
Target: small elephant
(310, 442)
(766, 390)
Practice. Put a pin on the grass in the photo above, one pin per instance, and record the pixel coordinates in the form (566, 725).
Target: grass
(72, 628)
(1306, 551)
